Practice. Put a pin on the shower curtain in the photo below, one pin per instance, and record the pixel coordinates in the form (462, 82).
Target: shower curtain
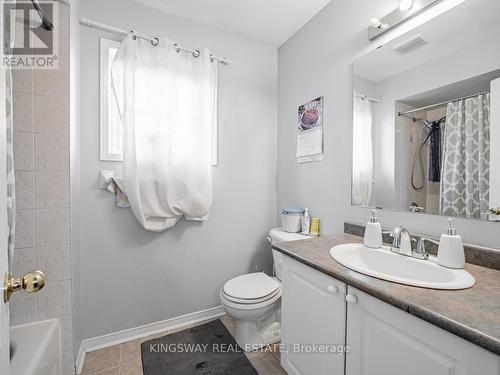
(466, 164)
(362, 163)
(167, 102)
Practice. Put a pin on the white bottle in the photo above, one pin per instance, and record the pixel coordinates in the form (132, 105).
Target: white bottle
(451, 248)
(306, 222)
(373, 232)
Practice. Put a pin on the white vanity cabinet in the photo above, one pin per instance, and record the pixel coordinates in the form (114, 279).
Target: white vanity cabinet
(312, 319)
(382, 339)
(385, 340)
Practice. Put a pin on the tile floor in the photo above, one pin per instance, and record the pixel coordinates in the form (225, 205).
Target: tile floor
(125, 359)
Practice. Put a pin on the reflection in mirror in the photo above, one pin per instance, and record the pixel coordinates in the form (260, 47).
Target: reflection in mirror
(426, 118)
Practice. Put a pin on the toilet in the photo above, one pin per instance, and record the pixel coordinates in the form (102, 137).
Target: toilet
(253, 300)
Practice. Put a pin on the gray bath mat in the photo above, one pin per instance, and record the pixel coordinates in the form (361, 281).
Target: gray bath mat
(208, 349)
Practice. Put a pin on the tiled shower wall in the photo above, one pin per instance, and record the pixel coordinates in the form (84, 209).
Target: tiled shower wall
(41, 159)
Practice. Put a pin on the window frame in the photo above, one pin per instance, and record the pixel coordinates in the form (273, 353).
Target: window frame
(104, 130)
(104, 81)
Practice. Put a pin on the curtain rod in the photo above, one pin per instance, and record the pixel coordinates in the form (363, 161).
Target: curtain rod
(405, 113)
(364, 97)
(154, 40)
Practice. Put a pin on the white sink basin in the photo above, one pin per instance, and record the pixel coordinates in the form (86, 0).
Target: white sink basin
(386, 265)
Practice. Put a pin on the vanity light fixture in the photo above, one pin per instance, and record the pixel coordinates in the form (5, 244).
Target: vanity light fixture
(405, 5)
(407, 9)
(375, 22)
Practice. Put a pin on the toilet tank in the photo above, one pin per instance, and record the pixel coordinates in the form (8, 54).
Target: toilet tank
(277, 235)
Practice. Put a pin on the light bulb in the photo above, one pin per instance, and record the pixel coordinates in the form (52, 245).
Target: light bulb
(405, 5)
(375, 22)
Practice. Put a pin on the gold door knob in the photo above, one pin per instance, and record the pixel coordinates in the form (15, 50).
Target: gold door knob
(31, 282)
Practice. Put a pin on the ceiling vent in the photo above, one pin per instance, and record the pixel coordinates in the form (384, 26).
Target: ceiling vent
(409, 45)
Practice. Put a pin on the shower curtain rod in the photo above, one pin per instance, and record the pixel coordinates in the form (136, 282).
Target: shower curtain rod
(154, 40)
(437, 105)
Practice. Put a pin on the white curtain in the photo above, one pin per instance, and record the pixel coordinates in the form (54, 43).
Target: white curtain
(167, 103)
(465, 176)
(362, 158)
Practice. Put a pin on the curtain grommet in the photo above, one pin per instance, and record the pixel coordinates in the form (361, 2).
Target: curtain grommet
(196, 53)
(155, 41)
(176, 48)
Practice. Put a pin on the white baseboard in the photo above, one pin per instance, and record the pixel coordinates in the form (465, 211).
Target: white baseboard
(100, 342)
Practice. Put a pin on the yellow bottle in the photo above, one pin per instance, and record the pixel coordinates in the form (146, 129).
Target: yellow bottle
(314, 227)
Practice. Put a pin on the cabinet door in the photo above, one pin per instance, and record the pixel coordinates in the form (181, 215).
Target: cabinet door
(384, 340)
(313, 320)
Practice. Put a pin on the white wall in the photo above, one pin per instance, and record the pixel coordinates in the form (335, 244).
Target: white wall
(317, 61)
(129, 277)
(494, 141)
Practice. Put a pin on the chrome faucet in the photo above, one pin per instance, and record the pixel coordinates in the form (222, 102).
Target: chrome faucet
(421, 251)
(401, 244)
(401, 241)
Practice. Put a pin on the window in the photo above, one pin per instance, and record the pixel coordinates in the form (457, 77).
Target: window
(111, 135)
(111, 148)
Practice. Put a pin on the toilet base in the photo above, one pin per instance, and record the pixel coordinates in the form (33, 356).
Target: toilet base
(251, 336)
(257, 324)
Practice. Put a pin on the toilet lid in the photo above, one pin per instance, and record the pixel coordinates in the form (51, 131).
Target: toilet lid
(251, 286)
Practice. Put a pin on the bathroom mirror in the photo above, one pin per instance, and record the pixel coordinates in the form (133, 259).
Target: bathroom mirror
(426, 117)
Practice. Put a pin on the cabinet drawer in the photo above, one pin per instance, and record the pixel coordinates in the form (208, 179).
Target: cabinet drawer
(319, 278)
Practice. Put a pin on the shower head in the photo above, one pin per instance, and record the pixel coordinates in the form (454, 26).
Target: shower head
(46, 23)
(425, 123)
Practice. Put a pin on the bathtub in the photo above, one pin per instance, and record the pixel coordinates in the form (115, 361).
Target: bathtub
(36, 348)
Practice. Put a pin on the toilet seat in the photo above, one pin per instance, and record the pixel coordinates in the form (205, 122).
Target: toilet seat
(249, 306)
(251, 301)
(251, 288)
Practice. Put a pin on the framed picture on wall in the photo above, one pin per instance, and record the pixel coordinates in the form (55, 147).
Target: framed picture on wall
(310, 131)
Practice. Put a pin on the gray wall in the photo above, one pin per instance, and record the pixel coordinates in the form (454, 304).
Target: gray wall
(129, 277)
(317, 61)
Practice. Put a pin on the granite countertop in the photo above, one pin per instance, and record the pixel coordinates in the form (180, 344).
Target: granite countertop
(473, 314)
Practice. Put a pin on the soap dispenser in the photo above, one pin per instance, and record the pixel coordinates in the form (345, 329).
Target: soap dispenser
(306, 222)
(451, 248)
(373, 232)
